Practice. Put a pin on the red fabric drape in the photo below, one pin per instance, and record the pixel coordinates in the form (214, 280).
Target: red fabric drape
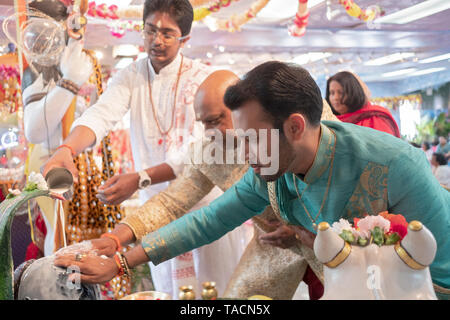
(373, 116)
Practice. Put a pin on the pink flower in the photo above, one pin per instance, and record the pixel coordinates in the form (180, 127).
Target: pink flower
(368, 223)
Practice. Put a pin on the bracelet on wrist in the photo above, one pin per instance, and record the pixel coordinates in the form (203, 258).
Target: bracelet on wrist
(113, 237)
(119, 265)
(124, 269)
(69, 147)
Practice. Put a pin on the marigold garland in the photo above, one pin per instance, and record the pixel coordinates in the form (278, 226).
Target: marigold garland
(200, 13)
(237, 21)
(354, 10)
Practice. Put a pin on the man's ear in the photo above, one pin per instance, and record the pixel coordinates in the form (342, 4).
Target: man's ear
(183, 42)
(294, 127)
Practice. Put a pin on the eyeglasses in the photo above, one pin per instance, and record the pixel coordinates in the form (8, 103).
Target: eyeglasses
(167, 38)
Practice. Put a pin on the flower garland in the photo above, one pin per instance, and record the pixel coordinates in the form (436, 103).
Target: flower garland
(236, 21)
(10, 92)
(298, 28)
(35, 182)
(102, 11)
(201, 13)
(383, 229)
(199, 3)
(119, 28)
(369, 14)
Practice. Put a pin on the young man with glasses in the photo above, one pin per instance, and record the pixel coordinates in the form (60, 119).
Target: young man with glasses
(159, 92)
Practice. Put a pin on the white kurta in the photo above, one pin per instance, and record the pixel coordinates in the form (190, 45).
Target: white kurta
(128, 90)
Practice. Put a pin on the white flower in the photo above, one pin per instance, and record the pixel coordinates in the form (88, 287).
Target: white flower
(370, 222)
(15, 192)
(38, 179)
(341, 225)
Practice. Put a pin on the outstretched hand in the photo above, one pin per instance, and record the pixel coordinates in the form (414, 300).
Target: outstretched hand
(286, 236)
(283, 237)
(93, 269)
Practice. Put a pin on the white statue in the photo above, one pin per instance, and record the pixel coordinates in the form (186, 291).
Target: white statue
(396, 271)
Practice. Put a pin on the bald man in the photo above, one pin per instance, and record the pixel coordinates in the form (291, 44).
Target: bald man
(263, 269)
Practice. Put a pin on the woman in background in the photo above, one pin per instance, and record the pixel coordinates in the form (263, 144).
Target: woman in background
(440, 169)
(428, 150)
(350, 103)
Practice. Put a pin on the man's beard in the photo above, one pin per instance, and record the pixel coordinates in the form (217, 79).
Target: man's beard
(285, 159)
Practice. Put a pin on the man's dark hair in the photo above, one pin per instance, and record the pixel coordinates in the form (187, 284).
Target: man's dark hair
(282, 89)
(440, 158)
(179, 10)
(353, 96)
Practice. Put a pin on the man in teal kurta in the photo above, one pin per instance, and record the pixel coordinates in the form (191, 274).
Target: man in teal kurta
(326, 171)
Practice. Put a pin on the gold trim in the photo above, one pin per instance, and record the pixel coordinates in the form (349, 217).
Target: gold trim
(341, 256)
(415, 225)
(406, 258)
(324, 226)
(136, 226)
(271, 189)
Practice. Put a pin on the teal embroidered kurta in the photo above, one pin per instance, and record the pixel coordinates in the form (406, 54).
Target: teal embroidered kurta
(370, 172)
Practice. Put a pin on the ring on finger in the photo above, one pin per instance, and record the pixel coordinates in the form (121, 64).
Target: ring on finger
(79, 256)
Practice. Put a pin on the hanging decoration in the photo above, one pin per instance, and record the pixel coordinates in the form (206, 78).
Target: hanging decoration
(202, 10)
(298, 28)
(119, 28)
(102, 11)
(201, 13)
(199, 3)
(10, 93)
(369, 14)
(236, 21)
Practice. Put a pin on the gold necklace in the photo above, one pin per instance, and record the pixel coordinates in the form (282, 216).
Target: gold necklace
(164, 133)
(326, 191)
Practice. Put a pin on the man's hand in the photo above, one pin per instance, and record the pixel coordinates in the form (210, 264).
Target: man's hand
(94, 269)
(62, 158)
(305, 236)
(286, 236)
(283, 237)
(104, 246)
(119, 188)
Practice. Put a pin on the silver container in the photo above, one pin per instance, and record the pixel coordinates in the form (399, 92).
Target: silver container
(60, 180)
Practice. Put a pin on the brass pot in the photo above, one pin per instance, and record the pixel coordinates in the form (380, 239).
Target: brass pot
(209, 291)
(186, 293)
